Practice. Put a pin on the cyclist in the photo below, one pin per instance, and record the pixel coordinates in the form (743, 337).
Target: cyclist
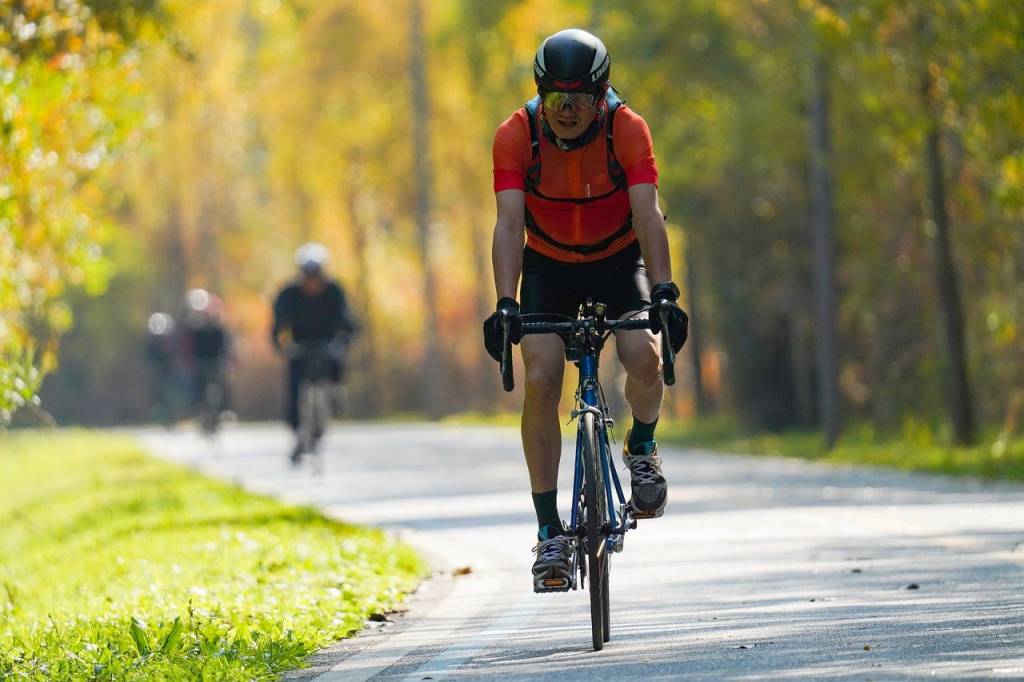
(575, 167)
(205, 344)
(312, 308)
(161, 352)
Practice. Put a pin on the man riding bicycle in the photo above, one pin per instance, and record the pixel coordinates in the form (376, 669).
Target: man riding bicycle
(311, 309)
(575, 167)
(205, 345)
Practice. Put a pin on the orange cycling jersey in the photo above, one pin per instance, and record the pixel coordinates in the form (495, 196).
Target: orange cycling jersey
(576, 212)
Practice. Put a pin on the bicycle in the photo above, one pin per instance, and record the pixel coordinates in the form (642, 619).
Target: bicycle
(315, 396)
(597, 523)
(210, 382)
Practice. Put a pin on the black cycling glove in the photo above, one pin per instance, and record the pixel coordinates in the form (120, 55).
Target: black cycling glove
(493, 331)
(678, 322)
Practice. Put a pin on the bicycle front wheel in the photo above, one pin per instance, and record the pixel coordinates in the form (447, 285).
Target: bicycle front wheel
(595, 505)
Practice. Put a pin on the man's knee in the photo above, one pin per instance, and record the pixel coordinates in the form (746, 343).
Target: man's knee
(544, 359)
(543, 384)
(642, 362)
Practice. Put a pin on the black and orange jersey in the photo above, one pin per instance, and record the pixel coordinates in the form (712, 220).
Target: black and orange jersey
(576, 202)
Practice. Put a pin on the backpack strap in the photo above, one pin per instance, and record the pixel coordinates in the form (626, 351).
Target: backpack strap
(616, 173)
(533, 172)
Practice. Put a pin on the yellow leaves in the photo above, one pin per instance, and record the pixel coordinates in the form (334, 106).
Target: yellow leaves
(825, 17)
(61, 105)
(1010, 185)
(1002, 327)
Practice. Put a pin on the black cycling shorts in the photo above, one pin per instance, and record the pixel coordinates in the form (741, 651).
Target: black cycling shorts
(556, 287)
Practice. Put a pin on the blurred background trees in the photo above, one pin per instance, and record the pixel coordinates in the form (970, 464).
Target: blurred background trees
(189, 144)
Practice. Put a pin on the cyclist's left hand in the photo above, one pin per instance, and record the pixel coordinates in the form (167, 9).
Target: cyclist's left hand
(493, 330)
(678, 321)
(337, 348)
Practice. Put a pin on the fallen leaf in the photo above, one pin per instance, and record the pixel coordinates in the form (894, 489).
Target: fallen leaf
(867, 647)
(464, 570)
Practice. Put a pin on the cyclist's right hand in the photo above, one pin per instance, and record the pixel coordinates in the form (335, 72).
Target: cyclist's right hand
(664, 296)
(283, 340)
(493, 332)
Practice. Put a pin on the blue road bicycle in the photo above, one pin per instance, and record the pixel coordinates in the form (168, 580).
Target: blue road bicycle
(600, 514)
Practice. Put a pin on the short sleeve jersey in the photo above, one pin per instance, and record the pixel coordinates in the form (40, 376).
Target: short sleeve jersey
(575, 203)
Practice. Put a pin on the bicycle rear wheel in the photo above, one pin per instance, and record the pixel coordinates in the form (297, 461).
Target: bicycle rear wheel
(212, 401)
(597, 555)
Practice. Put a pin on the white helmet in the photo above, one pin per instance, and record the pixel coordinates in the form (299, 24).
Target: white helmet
(160, 324)
(197, 300)
(312, 258)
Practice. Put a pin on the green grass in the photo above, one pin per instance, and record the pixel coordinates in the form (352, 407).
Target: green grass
(509, 419)
(915, 447)
(117, 566)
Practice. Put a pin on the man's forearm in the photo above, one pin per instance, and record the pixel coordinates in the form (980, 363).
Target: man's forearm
(650, 230)
(507, 260)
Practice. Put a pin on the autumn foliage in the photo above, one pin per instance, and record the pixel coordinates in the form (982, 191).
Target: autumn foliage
(197, 143)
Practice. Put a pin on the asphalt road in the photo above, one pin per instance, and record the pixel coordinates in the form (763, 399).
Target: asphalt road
(760, 568)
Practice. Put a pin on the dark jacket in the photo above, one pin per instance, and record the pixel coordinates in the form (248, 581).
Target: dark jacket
(313, 318)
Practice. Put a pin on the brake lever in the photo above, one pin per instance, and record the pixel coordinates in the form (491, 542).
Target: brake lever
(507, 379)
(668, 355)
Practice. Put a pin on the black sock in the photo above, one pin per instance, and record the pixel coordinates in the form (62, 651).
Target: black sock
(641, 433)
(546, 506)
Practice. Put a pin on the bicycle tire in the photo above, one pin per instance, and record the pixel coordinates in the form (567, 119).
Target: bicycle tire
(606, 565)
(307, 416)
(594, 504)
(605, 596)
(209, 422)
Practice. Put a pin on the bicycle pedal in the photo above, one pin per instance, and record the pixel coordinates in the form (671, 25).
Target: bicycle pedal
(641, 515)
(552, 585)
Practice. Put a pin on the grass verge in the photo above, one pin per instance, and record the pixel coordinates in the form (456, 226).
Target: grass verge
(115, 565)
(507, 419)
(916, 447)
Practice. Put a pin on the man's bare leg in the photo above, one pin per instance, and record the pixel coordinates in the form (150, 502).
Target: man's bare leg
(640, 356)
(544, 357)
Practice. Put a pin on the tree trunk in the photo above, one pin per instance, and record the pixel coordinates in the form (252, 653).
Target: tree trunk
(824, 253)
(958, 390)
(696, 338)
(176, 270)
(365, 402)
(431, 399)
(800, 363)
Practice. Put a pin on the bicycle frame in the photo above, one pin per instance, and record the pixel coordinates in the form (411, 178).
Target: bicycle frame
(589, 398)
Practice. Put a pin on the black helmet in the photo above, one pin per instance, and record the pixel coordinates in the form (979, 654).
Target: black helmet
(571, 60)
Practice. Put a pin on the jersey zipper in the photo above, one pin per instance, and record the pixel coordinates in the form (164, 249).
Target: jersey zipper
(576, 182)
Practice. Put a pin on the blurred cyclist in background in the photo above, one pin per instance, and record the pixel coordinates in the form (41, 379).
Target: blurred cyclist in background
(162, 354)
(205, 345)
(311, 309)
